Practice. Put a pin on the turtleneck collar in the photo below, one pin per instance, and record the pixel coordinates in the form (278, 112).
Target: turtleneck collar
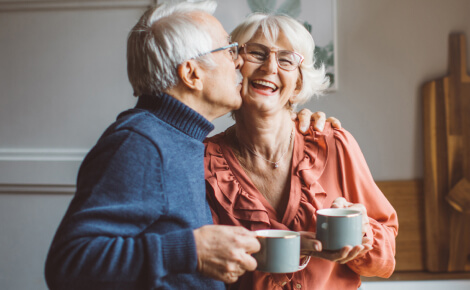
(177, 114)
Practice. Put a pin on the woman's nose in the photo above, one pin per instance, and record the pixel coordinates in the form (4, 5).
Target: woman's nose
(238, 62)
(270, 65)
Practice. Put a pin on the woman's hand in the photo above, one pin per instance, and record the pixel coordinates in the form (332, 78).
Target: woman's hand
(317, 120)
(312, 247)
(309, 246)
(347, 253)
(341, 202)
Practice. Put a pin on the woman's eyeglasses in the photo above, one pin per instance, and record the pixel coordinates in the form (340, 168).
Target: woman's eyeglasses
(258, 53)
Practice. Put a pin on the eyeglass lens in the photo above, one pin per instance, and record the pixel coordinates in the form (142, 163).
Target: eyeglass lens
(234, 52)
(259, 53)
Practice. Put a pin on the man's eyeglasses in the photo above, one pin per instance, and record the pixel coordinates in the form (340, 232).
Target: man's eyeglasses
(233, 49)
(258, 53)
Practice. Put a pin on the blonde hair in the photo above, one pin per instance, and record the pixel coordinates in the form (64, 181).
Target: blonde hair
(314, 81)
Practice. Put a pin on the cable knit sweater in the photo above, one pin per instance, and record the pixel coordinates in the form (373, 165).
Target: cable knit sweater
(140, 193)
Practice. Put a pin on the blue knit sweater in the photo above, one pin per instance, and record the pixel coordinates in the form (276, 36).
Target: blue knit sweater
(140, 193)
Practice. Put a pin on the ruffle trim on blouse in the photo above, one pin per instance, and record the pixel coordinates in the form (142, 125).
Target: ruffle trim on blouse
(311, 167)
(227, 190)
(245, 206)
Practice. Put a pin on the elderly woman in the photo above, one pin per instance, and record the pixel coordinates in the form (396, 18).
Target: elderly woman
(262, 173)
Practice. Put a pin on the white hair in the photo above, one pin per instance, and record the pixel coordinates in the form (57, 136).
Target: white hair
(314, 81)
(163, 38)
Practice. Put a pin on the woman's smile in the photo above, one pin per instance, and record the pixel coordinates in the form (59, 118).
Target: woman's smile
(264, 86)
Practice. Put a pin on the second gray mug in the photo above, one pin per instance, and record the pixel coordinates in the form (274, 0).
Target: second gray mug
(339, 227)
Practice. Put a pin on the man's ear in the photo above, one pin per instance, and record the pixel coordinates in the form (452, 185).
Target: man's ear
(191, 74)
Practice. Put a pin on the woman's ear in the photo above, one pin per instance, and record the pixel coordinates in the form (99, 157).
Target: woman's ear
(298, 88)
(298, 85)
(191, 74)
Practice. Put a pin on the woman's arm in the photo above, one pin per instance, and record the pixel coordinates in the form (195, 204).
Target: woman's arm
(359, 188)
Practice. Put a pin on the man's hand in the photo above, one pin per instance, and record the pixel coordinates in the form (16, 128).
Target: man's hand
(317, 120)
(224, 252)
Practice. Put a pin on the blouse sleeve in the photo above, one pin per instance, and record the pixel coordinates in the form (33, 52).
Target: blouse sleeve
(359, 187)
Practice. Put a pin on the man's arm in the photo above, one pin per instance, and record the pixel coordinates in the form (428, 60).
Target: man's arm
(111, 235)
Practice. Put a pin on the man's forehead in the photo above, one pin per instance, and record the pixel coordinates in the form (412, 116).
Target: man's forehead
(211, 24)
(204, 18)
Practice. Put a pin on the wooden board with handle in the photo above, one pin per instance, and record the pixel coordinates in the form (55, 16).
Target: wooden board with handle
(446, 112)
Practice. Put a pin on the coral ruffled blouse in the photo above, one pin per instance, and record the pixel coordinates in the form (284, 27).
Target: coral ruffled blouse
(325, 165)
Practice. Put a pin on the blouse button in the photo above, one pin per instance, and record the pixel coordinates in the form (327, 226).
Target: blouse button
(298, 286)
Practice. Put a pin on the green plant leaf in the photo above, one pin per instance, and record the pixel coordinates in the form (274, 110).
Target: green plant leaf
(262, 5)
(324, 55)
(331, 60)
(329, 46)
(321, 56)
(291, 8)
(308, 26)
(332, 78)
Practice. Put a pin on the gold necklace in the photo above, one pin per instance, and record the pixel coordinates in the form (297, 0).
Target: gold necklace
(274, 163)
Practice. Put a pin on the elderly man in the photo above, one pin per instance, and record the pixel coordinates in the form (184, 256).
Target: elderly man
(139, 218)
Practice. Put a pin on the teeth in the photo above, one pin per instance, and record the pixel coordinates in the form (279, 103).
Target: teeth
(266, 84)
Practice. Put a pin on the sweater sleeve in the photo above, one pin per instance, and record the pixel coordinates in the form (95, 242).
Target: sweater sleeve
(113, 235)
(359, 187)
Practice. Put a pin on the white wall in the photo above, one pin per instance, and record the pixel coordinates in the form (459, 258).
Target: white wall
(387, 50)
(63, 80)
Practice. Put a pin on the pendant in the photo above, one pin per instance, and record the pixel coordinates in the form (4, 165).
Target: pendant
(276, 165)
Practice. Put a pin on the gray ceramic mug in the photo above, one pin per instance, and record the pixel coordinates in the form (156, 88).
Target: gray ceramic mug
(339, 227)
(280, 251)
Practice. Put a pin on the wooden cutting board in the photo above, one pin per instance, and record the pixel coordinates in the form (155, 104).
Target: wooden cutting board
(446, 105)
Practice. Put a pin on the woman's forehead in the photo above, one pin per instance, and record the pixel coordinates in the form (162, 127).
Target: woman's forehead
(279, 40)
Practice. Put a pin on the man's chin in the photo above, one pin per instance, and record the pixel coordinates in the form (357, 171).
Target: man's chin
(240, 101)
(236, 105)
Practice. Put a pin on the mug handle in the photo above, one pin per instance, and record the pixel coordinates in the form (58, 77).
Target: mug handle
(304, 264)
